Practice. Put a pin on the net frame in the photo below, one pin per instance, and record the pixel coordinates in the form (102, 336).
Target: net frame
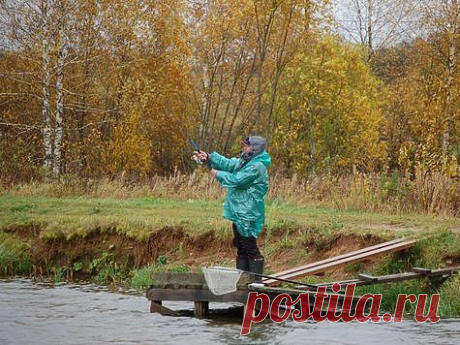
(221, 280)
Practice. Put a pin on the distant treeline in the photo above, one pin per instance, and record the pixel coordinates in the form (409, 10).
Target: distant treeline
(104, 88)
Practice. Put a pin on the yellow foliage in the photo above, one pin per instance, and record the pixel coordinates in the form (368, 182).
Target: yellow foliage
(129, 150)
(331, 116)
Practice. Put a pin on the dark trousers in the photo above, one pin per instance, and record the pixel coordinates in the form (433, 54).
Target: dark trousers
(246, 246)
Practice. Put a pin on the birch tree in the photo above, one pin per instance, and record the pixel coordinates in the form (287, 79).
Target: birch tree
(376, 24)
(62, 44)
(443, 20)
(45, 10)
(30, 31)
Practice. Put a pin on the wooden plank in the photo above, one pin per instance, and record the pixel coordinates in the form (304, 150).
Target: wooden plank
(195, 295)
(366, 277)
(272, 292)
(379, 280)
(277, 291)
(396, 277)
(179, 278)
(193, 286)
(157, 307)
(343, 283)
(201, 306)
(154, 305)
(421, 270)
(201, 309)
(417, 275)
(339, 257)
(334, 263)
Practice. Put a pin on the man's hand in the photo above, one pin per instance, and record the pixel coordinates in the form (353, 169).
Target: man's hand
(202, 156)
(213, 172)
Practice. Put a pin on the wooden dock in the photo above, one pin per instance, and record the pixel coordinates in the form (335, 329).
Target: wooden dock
(192, 287)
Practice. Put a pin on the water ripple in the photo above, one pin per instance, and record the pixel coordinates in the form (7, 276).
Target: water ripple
(87, 314)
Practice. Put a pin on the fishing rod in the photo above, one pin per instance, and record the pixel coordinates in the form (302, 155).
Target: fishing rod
(195, 158)
(283, 280)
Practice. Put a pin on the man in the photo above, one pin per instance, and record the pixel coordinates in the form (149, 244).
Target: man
(246, 180)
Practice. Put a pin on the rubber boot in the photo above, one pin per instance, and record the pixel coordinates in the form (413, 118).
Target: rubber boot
(242, 263)
(257, 266)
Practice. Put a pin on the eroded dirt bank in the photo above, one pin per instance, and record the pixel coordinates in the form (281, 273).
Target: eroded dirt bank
(286, 249)
(113, 258)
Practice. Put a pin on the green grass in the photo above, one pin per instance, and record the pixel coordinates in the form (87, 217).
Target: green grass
(449, 304)
(137, 218)
(390, 293)
(67, 217)
(435, 249)
(14, 258)
(143, 277)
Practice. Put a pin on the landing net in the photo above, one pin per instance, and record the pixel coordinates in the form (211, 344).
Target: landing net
(221, 280)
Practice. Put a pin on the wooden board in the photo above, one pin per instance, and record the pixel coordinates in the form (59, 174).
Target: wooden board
(178, 277)
(179, 280)
(422, 273)
(201, 309)
(272, 292)
(340, 260)
(157, 307)
(421, 270)
(335, 258)
(366, 277)
(203, 295)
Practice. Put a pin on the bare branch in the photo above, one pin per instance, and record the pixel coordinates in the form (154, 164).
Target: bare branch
(20, 125)
(19, 94)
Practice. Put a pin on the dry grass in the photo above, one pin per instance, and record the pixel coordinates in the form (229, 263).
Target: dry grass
(426, 193)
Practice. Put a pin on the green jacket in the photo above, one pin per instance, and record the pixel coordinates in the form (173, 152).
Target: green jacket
(246, 190)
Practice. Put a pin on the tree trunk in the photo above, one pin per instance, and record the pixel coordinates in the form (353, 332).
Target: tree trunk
(453, 33)
(369, 30)
(59, 99)
(263, 38)
(279, 67)
(312, 141)
(239, 105)
(46, 118)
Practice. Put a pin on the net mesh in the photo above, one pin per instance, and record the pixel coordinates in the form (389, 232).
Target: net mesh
(221, 280)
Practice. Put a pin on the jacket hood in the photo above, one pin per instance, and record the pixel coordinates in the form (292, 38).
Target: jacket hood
(263, 157)
(258, 145)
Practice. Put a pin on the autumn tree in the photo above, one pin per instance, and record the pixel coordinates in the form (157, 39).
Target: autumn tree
(328, 117)
(96, 69)
(421, 91)
(149, 86)
(240, 54)
(443, 23)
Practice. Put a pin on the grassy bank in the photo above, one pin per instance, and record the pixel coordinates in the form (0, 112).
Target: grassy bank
(423, 192)
(124, 239)
(138, 217)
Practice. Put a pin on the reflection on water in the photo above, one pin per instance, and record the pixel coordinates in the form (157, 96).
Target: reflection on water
(88, 314)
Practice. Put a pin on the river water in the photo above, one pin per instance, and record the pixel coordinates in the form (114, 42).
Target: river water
(32, 313)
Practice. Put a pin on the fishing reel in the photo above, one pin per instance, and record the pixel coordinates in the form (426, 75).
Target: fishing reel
(198, 160)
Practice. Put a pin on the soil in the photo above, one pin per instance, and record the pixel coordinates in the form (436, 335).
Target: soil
(180, 248)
